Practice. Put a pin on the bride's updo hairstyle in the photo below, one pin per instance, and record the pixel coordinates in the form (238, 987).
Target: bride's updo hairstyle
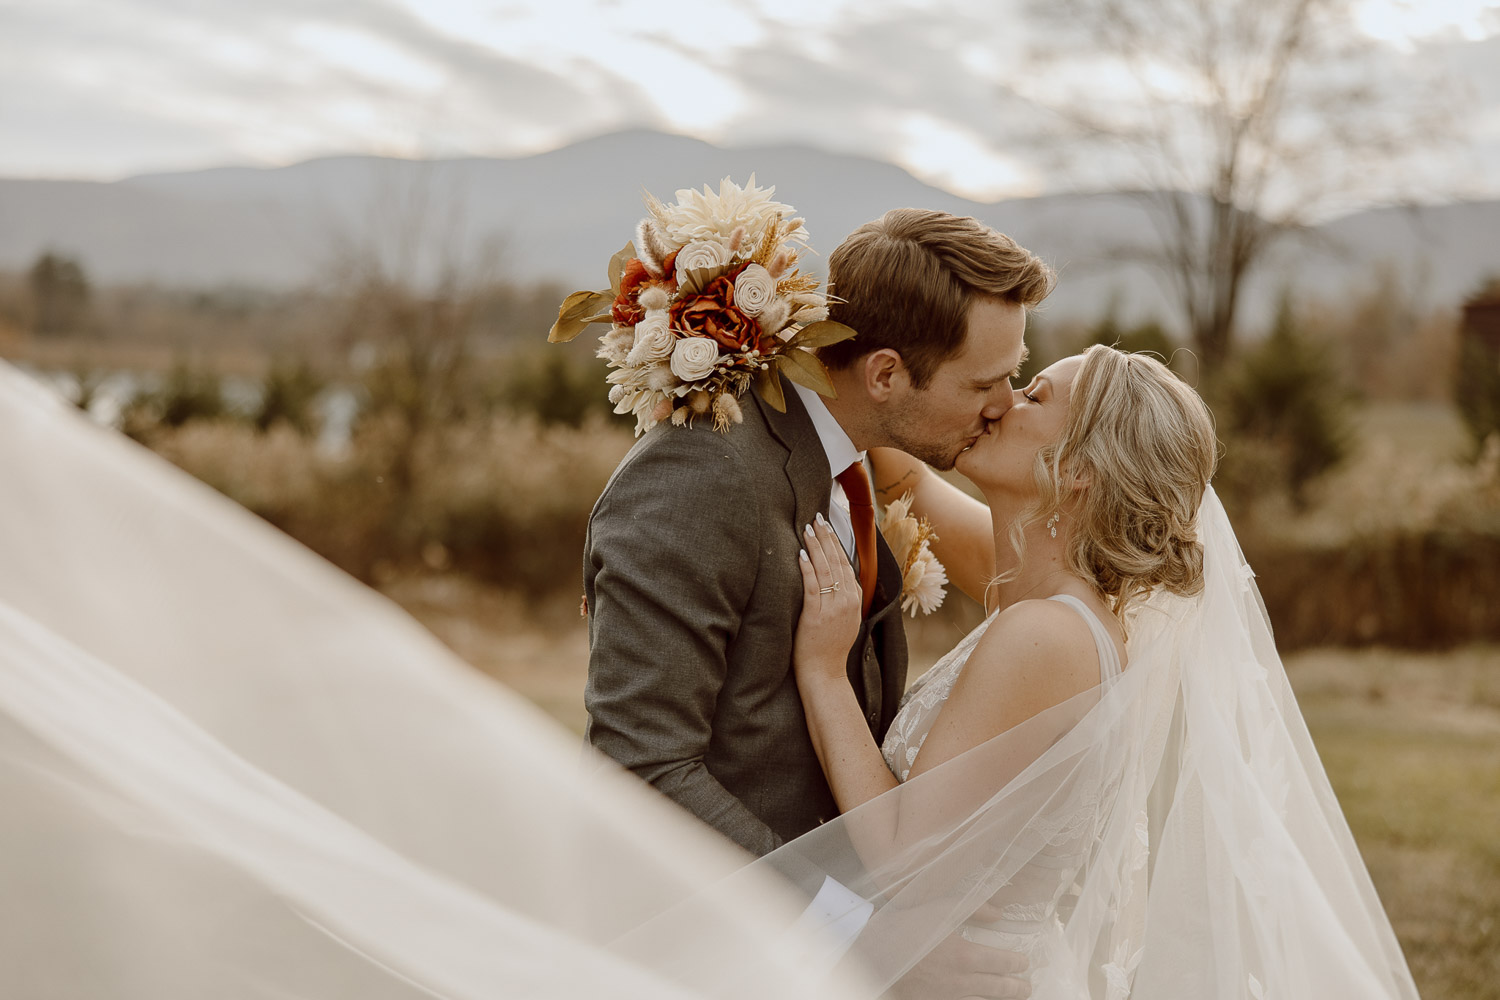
(1142, 442)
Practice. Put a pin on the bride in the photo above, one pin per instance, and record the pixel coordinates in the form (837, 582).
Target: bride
(1209, 862)
(228, 770)
(1093, 480)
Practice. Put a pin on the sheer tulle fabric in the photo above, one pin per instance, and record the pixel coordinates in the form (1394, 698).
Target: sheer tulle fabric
(228, 770)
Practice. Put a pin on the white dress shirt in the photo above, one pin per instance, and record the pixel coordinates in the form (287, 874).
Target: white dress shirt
(837, 909)
(841, 454)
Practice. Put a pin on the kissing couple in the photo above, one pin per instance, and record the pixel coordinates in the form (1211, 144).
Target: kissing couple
(1106, 789)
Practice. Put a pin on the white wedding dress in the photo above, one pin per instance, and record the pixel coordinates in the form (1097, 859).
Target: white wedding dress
(228, 770)
(928, 693)
(1031, 902)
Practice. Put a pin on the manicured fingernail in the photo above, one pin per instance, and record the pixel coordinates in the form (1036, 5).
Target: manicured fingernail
(820, 518)
(809, 530)
(802, 554)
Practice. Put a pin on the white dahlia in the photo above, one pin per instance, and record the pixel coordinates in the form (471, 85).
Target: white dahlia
(708, 216)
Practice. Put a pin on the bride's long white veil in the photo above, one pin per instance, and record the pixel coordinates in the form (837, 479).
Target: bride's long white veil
(228, 770)
(1173, 836)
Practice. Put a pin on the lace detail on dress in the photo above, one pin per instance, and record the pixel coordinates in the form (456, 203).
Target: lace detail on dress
(922, 702)
(924, 699)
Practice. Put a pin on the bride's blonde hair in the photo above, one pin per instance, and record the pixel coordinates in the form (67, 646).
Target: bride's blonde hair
(1142, 443)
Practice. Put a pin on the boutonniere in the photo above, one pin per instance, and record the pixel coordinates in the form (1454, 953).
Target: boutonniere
(923, 578)
(706, 301)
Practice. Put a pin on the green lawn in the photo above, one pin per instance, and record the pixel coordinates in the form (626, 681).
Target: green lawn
(1411, 743)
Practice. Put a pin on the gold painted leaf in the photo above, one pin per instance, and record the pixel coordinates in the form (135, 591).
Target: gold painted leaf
(576, 312)
(821, 334)
(806, 370)
(617, 266)
(768, 384)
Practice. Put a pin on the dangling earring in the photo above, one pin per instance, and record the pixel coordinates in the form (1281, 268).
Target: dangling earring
(1052, 524)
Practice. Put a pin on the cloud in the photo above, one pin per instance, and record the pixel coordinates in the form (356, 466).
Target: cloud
(271, 81)
(923, 89)
(106, 87)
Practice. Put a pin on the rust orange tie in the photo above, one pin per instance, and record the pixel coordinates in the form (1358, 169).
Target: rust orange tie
(856, 486)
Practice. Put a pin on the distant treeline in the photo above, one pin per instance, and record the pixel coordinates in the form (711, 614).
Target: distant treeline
(472, 445)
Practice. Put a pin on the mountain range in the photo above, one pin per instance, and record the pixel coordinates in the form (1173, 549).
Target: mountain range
(558, 216)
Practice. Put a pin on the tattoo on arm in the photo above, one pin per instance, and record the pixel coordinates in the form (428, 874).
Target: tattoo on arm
(908, 481)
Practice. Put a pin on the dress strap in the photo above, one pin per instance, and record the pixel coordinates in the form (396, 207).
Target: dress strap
(1109, 657)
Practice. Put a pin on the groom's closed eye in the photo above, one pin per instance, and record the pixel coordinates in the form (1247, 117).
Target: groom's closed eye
(985, 385)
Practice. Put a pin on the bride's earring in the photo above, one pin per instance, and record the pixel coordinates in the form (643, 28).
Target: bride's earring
(1052, 524)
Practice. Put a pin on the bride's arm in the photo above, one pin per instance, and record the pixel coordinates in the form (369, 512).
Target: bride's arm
(965, 542)
(827, 630)
(1034, 659)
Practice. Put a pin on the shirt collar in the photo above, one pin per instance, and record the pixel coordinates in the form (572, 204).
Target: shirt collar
(836, 443)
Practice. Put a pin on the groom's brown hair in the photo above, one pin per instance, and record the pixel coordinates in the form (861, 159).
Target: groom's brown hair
(906, 282)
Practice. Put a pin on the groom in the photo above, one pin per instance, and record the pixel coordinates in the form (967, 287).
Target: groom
(690, 565)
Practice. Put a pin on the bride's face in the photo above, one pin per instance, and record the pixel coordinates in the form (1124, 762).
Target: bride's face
(1005, 454)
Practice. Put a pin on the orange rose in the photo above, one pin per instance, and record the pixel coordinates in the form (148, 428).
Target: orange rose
(635, 275)
(627, 310)
(712, 314)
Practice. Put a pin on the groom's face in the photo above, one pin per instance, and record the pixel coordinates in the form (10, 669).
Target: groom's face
(968, 392)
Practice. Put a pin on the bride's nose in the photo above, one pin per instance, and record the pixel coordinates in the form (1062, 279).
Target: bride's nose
(999, 404)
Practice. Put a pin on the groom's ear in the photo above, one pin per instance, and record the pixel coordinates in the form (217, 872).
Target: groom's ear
(885, 373)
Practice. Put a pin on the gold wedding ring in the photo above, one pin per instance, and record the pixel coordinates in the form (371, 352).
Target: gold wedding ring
(829, 590)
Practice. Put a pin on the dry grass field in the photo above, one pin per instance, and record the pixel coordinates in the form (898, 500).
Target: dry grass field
(1411, 742)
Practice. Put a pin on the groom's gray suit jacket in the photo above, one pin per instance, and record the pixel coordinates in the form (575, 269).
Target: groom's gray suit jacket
(693, 590)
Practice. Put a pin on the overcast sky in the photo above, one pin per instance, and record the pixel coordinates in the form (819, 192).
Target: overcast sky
(106, 88)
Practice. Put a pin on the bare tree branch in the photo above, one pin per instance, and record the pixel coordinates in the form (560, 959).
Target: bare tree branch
(1248, 121)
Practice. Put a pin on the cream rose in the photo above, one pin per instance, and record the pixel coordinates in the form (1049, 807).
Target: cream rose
(701, 253)
(654, 339)
(695, 358)
(753, 290)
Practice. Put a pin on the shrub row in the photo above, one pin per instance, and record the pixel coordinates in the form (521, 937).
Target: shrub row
(505, 499)
(1418, 590)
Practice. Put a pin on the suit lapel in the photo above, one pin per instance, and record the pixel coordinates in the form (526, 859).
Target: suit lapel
(812, 487)
(806, 462)
(888, 583)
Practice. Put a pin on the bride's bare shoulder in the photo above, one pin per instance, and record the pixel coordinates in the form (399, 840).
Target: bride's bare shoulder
(1034, 655)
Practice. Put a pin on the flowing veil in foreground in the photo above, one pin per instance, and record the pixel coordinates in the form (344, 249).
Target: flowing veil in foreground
(229, 770)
